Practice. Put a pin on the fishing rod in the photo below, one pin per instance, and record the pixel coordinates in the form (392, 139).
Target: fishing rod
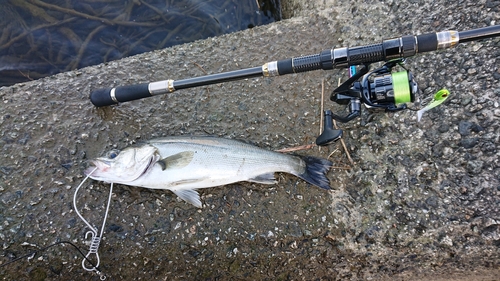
(380, 88)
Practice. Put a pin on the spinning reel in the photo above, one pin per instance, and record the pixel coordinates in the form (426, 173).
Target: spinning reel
(381, 88)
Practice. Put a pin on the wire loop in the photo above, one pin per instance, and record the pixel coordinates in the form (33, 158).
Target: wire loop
(95, 236)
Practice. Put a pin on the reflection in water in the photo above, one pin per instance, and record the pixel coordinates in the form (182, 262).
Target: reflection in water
(40, 38)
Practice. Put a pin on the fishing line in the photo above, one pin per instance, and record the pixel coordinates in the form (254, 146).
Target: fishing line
(32, 254)
(93, 232)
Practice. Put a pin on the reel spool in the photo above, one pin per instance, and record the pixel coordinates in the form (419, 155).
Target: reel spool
(385, 89)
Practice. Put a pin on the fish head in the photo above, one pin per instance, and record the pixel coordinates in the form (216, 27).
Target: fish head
(123, 166)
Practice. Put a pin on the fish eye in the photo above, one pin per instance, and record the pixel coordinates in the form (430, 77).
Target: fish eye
(113, 153)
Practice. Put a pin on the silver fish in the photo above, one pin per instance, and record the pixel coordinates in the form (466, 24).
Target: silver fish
(184, 164)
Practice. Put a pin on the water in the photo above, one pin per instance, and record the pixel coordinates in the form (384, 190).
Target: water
(42, 38)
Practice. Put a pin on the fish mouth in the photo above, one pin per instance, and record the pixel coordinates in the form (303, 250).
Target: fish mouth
(97, 165)
(99, 168)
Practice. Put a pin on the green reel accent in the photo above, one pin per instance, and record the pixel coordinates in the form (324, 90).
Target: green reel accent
(402, 93)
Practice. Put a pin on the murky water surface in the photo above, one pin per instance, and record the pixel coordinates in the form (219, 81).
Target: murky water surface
(40, 38)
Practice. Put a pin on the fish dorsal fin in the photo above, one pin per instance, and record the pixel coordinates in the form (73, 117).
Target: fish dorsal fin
(264, 179)
(189, 195)
(176, 161)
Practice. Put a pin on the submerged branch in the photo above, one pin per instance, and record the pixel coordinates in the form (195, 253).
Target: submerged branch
(28, 32)
(91, 17)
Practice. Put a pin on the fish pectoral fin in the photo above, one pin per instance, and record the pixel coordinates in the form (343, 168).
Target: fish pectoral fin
(176, 161)
(264, 179)
(189, 195)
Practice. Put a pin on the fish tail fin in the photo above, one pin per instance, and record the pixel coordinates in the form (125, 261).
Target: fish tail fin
(316, 170)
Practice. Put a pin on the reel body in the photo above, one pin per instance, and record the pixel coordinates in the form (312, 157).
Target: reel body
(386, 89)
(381, 88)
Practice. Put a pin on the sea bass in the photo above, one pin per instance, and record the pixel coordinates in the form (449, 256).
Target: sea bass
(184, 164)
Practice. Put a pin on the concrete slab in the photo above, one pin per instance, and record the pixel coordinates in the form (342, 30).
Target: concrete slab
(420, 201)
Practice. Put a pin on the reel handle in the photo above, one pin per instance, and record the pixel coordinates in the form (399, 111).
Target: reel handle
(329, 134)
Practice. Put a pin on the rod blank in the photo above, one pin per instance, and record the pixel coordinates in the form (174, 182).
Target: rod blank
(402, 47)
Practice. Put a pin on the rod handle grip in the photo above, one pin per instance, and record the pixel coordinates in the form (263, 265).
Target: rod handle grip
(366, 54)
(110, 96)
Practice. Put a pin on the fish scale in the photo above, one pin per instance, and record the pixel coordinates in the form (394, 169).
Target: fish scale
(184, 164)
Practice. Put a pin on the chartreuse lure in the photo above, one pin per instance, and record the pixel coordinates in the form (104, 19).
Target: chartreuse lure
(438, 99)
